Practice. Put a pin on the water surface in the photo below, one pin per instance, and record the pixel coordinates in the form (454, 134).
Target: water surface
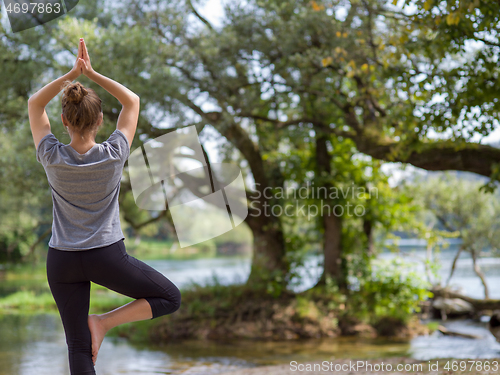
(35, 344)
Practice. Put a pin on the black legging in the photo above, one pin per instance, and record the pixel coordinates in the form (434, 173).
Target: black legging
(69, 274)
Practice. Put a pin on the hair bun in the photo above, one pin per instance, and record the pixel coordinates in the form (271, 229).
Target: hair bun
(75, 92)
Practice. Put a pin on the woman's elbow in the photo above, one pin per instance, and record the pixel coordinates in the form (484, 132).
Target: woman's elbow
(33, 102)
(132, 100)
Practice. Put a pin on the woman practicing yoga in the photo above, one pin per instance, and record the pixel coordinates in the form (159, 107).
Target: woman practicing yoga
(87, 240)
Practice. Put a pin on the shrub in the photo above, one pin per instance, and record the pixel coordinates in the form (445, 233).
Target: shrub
(392, 291)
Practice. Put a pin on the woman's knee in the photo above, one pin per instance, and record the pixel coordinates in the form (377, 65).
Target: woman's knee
(174, 299)
(177, 299)
(165, 304)
(172, 294)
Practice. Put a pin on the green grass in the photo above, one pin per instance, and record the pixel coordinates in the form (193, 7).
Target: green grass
(25, 288)
(101, 300)
(27, 300)
(149, 249)
(28, 271)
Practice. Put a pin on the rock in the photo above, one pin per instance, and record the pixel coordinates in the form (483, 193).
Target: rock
(446, 331)
(452, 305)
(494, 325)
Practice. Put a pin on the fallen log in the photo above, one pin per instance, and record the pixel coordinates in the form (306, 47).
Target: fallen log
(446, 331)
(455, 306)
(479, 304)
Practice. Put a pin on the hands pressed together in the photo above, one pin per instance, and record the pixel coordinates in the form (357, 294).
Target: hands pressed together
(82, 63)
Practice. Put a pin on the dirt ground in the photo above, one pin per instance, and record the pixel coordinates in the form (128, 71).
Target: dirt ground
(379, 366)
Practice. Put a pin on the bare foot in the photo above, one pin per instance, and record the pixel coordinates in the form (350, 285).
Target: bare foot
(98, 332)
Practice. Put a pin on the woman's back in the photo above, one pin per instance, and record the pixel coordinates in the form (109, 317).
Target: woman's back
(85, 190)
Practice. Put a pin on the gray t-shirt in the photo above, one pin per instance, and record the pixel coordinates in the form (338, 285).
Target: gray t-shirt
(85, 191)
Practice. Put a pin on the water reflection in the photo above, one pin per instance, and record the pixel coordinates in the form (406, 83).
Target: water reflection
(35, 345)
(447, 346)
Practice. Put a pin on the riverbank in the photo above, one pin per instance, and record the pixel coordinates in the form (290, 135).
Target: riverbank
(25, 336)
(36, 342)
(232, 312)
(394, 365)
(221, 312)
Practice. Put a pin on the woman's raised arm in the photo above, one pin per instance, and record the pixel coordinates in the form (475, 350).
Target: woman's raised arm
(129, 115)
(39, 121)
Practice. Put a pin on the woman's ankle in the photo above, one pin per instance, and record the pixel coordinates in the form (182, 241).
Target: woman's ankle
(104, 322)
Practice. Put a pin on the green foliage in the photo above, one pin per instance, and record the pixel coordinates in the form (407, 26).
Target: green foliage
(204, 300)
(276, 75)
(433, 326)
(276, 282)
(10, 251)
(272, 283)
(27, 300)
(307, 309)
(329, 293)
(25, 202)
(460, 207)
(393, 290)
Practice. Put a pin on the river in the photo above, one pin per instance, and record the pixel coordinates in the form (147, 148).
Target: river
(35, 344)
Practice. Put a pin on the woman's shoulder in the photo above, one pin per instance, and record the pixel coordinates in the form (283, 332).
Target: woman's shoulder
(118, 143)
(46, 146)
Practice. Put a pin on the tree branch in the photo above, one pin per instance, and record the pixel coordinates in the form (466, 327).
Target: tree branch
(199, 16)
(433, 156)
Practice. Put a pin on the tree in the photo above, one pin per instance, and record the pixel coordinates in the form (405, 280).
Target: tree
(24, 195)
(361, 72)
(459, 206)
(353, 78)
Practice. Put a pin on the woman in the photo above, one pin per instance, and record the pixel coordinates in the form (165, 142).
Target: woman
(87, 241)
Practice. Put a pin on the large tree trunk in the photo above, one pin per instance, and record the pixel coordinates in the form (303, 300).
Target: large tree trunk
(268, 258)
(269, 244)
(332, 251)
(331, 222)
